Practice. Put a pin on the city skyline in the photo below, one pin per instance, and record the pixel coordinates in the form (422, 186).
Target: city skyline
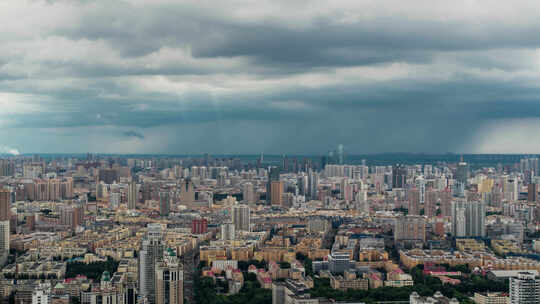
(272, 76)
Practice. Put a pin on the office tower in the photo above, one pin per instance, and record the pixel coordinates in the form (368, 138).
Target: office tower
(430, 205)
(462, 172)
(5, 205)
(273, 176)
(399, 176)
(468, 218)
(151, 251)
(525, 289)
(248, 193)
(4, 241)
(133, 195)
(241, 217)
(169, 279)
(414, 202)
(276, 190)
(227, 232)
(340, 154)
(199, 226)
(532, 192)
(410, 228)
(164, 203)
(187, 192)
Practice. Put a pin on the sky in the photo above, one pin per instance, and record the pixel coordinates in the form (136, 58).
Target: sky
(295, 77)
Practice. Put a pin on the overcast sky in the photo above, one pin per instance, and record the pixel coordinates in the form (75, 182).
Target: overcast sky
(288, 76)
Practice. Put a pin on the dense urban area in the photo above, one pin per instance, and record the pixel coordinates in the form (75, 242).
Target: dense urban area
(110, 229)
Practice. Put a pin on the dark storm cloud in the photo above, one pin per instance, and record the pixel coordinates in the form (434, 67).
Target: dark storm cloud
(416, 76)
(133, 134)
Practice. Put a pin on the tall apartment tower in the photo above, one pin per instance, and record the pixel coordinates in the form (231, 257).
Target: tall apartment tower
(164, 203)
(468, 218)
(187, 192)
(532, 192)
(241, 217)
(133, 195)
(276, 193)
(399, 176)
(150, 253)
(5, 198)
(525, 289)
(169, 276)
(228, 232)
(414, 202)
(273, 177)
(312, 185)
(430, 205)
(248, 193)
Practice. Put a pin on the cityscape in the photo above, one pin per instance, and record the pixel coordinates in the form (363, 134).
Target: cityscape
(269, 229)
(269, 152)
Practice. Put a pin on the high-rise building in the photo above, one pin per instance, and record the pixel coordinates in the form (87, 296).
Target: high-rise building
(71, 216)
(468, 218)
(4, 241)
(273, 176)
(446, 202)
(164, 203)
(199, 226)
(133, 195)
(532, 192)
(414, 202)
(421, 186)
(241, 217)
(399, 176)
(525, 289)
(227, 232)
(248, 193)
(169, 276)
(462, 173)
(312, 185)
(151, 251)
(430, 205)
(340, 154)
(410, 228)
(7, 167)
(276, 192)
(5, 205)
(187, 192)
